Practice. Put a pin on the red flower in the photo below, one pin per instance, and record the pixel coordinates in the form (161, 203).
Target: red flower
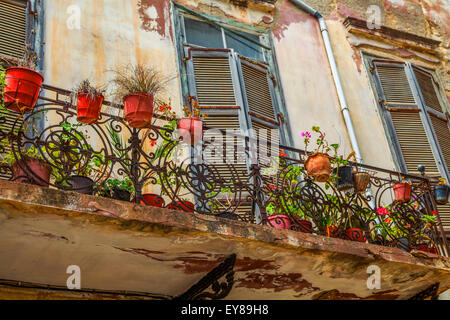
(282, 154)
(152, 143)
(387, 220)
(383, 211)
(272, 187)
(434, 213)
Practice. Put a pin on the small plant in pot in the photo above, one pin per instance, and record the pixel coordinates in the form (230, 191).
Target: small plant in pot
(343, 173)
(318, 164)
(402, 191)
(138, 85)
(89, 102)
(117, 189)
(355, 231)
(441, 192)
(276, 218)
(21, 84)
(190, 127)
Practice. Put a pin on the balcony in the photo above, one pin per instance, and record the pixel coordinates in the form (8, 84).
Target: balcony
(279, 194)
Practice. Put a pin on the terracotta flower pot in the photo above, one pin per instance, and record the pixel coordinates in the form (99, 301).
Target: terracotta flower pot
(355, 234)
(361, 181)
(138, 108)
(319, 167)
(305, 226)
(441, 194)
(279, 221)
(22, 88)
(426, 248)
(153, 200)
(29, 170)
(186, 206)
(191, 130)
(89, 108)
(402, 192)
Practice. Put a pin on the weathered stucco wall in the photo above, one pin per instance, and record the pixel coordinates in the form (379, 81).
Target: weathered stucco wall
(116, 32)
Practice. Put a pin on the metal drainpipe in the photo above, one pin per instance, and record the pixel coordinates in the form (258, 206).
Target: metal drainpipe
(337, 81)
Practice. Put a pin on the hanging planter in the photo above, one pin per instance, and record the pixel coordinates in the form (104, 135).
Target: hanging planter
(344, 179)
(402, 192)
(441, 194)
(355, 234)
(138, 108)
(191, 130)
(152, 199)
(22, 88)
(360, 181)
(184, 205)
(81, 184)
(279, 221)
(318, 166)
(89, 107)
(28, 170)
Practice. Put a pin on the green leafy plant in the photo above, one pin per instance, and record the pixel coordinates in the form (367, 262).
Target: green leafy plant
(110, 185)
(322, 145)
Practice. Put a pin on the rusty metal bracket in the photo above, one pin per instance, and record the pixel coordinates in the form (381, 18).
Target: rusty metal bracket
(220, 290)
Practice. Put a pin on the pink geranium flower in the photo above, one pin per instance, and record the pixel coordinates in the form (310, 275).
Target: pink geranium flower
(383, 211)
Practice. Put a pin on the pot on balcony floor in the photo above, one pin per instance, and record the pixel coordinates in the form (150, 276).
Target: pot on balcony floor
(152, 199)
(279, 221)
(122, 195)
(184, 205)
(22, 88)
(34, 171)
(81, 184)
(355, 234)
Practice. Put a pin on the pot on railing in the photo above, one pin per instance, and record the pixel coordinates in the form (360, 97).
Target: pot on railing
(30, 170)
(183, 205)
(402, 192)
(22, 88)
(191, 130)
(360, 181)
(441, 194)
(344, 179)
(279, 221)
(81, 184)
(152, 199)
(138, 109)
(89, 107)
(318, 166)
(355, 234)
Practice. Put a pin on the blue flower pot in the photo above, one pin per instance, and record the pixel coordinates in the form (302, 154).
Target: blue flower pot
(441, 194)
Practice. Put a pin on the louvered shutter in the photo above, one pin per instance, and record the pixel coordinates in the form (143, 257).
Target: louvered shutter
(8, 121)
(258, 92)
(12, 28)
(405, 117)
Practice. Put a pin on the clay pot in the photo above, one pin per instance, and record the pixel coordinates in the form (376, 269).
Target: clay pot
(185, 206)
(89, 108)
(152, 199)
(441, 194)
(191, 130)
(138, 109)
(305, 226)
(81, 184)
(426, 248)
(319, 167)
(402, 192)
(34, 171)
(360, 181)
(344, 179)
(355, 234)
(279, 221)
(22, 88)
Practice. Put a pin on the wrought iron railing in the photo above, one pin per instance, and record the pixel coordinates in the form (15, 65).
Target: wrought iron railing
(278, 194)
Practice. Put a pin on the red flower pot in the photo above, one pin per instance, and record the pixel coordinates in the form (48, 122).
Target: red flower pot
(182, 206)
(138, 108)
(88, 107)
(425, 248)
(32, 170)
(153, 200)
(191, 130)
(279, 221)
(402, 192)
(332, 231)
(319, 167)
(305, 226)
(355, 234)
(22, 88)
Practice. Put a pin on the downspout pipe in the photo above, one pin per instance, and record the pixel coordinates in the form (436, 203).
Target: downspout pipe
(336, 76)
(338, 83)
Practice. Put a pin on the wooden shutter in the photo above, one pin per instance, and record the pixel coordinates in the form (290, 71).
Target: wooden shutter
(12, 28)
(8, 121)
(405, 117)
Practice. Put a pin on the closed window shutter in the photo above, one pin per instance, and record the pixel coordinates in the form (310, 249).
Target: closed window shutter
(406, 117)
(12, 28)
(8, 121)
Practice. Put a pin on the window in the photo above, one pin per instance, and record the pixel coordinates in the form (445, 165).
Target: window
(13, 22)
(416, 118)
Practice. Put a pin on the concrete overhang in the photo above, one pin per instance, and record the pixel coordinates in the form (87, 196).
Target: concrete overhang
(123, 247)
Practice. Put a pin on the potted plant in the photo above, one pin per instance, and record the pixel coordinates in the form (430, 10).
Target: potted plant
(190, 127)
(89, 102)
(22, 84)
(343, 173)
(117, 189)
(361, 181)
(441, 192)
(402, 191)
(318, 164)
(30, 167)
(138, 85)
(355, 231)
(277, 219)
